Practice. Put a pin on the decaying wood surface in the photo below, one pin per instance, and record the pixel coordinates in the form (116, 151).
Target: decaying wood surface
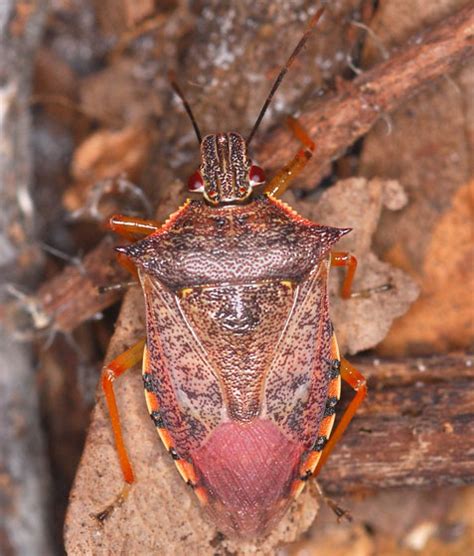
(416, 428)
(337, 122)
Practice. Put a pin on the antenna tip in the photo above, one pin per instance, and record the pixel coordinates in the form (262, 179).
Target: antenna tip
(316, 17)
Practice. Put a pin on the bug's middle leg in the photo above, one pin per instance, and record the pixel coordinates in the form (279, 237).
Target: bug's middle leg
(350, 262)
(281, 181)
(339, 258)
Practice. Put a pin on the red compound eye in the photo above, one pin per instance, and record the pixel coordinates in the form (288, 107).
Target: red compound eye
(256, 175)
(195, 182)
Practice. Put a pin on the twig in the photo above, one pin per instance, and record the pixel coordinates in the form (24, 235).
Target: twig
(342, 118)
(74, 296)
(413, 429)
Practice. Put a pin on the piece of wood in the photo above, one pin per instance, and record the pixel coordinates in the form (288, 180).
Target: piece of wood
(73, 295)
(347, 115)
(415, 428)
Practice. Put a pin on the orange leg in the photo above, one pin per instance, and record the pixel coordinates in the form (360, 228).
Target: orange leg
(131, 227)
(349, 261)
(358, 383)
(127, 264)
(281, 181)
(110, 372)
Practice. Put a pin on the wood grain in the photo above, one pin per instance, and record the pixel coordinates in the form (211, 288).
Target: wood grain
(415, 428)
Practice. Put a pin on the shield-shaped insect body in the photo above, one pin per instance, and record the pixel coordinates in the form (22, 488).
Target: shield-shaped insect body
(237, 368)
(241, 367)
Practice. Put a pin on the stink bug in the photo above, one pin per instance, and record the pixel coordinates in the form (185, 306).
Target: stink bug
(241, 367)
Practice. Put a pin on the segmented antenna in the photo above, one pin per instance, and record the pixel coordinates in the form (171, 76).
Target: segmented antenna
(179, 92)
(314, 20)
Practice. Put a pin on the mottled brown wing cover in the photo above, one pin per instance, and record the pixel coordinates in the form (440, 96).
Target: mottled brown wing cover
(237, 368)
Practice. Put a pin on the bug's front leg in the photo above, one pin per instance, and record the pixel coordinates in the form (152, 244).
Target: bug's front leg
(130, 227)
(110, 373)
(281, 181)
(358, 383)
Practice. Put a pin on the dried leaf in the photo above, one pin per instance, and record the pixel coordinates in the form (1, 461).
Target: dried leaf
(443, 317)
(106, 155)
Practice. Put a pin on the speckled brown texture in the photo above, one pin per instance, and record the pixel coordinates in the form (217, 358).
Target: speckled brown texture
(262, 240)
(187, 390)
(297, 383)
(239, 327)
(238, 333)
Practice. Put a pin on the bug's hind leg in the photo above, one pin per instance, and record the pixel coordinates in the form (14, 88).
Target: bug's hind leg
(110, 373)
(358, 383)
(281, 181)
(340, 512)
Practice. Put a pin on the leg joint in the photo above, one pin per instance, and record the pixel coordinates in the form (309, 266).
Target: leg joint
(108, 374)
